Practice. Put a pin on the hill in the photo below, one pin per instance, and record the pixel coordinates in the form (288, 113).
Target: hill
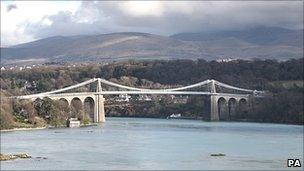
(263, 43)
(257, 35)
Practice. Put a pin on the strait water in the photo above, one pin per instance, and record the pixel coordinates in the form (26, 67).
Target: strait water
(133, 143)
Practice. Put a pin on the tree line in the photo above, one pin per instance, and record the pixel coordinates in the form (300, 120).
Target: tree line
(251, 74)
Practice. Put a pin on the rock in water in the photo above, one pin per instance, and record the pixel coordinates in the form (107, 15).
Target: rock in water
(23, 155)
(41, 158)
(218, 155)
(4, 157)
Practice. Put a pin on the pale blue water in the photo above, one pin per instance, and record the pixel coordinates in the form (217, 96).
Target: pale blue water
(132, 143)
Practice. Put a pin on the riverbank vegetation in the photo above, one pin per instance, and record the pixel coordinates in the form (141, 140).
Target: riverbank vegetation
(39, 113)
(283, 81)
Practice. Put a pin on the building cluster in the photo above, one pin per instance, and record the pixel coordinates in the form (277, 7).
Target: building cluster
(30, 85)
(49, 64)
(20, 68)
(222, 60)
(128, 98)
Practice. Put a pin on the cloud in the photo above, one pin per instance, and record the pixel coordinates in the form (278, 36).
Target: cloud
(165, 17)
(206, 15)
(14, 22)
(11, 7)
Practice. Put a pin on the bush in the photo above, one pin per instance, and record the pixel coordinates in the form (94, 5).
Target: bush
(6, 120)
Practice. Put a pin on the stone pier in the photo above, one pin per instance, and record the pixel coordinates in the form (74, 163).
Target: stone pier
(99, 103)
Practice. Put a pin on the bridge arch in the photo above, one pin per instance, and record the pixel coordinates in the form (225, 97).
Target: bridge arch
(243, 107)
(64, 104)
(89, 107)
(64, 100)
(75, 101)
(232, 107)
(76, 107)
(222, 109)
(243, 102)
(243, 99)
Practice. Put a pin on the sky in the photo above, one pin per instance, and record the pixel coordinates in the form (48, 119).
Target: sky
(25, 21)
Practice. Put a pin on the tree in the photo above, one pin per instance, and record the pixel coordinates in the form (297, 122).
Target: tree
(55, 117)
(29, 110)
(53, 111)
(45, 106)
(6, 118)
(44, 85)
(13, 83)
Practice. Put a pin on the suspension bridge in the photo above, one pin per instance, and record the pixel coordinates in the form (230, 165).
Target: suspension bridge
(220, 102)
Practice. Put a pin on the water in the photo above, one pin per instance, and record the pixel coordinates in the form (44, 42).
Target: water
(132, 143)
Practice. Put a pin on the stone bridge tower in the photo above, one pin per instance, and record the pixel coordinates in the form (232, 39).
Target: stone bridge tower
(99, 105)
(216, 109)
(214, 116)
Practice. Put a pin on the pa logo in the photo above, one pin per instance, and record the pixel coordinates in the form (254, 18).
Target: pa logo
(293, 163)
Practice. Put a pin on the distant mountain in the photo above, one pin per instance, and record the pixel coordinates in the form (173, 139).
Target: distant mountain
(262, 43)
(256, 35)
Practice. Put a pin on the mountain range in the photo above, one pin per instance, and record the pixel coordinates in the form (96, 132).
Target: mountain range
(259, 42)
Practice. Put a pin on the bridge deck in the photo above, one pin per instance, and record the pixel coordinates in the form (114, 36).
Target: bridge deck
(132, 92)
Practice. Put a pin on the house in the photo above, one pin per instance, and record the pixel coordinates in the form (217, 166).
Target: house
(73, 123)
(144, 98)
(123, 98)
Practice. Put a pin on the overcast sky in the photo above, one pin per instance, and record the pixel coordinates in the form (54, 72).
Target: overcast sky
(24, 21)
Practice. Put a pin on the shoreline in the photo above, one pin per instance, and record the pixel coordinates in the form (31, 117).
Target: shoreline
(23, 129)
(240, 121)
(39, 128)
(92, 124)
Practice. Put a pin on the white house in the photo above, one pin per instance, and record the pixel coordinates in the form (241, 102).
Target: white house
(123, 98)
